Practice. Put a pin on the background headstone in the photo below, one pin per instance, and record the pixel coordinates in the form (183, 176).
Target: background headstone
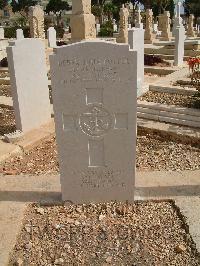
(115, 29)
(98, 28)
(2, 33)
(190, 29)
(139, 23)
(82, 21)
(148, 36)
(178, 21)
(179, 46)
(36, 22)
(166, 34)
(94, 96)
(155, 28)
(51, 36)
(123, 26)
(19, 34)
(29, 83)
(136, 42)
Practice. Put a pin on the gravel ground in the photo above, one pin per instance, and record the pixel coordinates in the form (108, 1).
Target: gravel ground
(143, 233)
(175, 99)
(153, 153)
(7, 120)
(5, 90)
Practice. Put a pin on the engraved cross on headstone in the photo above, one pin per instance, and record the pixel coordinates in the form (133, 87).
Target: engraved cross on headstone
(95, 122)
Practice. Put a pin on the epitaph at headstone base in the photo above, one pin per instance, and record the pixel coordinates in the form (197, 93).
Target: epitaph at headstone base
(94, 94)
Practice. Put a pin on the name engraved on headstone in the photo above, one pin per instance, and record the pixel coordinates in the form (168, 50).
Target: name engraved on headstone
(93, 69)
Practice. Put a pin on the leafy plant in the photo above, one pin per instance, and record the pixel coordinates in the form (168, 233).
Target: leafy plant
(57, 6)
(194, 67)
(106, 29)
(22, 6)
(10, 32)
(59, 31)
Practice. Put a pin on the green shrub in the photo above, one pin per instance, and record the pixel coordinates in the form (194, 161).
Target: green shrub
(10, 32)
(59, 32)
(106, 29)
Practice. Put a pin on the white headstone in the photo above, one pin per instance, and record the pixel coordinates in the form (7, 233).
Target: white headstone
(179, 46)
(51, 36)
(155, 28)
(136, 42)
(115, 28)
(94, 94)
(19, 34)
(178, 21)
(98, 28)
(1, 33)
(29, 83)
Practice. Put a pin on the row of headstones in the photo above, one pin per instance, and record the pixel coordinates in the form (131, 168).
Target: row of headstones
(51, 36)
(163, 25)
(124, 35)
(27, 48)
(95, 86)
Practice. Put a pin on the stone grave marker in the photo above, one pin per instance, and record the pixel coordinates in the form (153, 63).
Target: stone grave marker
(19, 34)
(148, 36)
(166, 34)
(82, 21)
(2, 33)
(139, 23)
(98, 28)
(178, 21)
(123, 25)
(94, 95)
(51, 36)
(179, 46)
(115, 28)
(36, 21)
(29, 83)
(190, 30)
(136, 42)
(155, 28)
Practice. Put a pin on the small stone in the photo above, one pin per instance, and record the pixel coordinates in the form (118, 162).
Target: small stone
(109, 259)
(57, 226)
(77, 223)
(27, 228)
(59, 261)
(19, 262)
(40, 211)
(181, 248)
(69, 220)
(67, 246)
(29, 245)
(101, 217)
